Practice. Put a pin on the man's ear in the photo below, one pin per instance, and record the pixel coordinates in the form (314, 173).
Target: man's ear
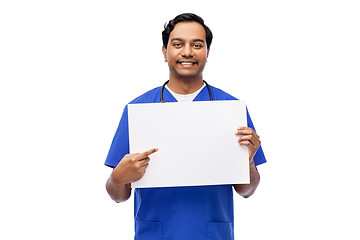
(164, 51)
(208, 51)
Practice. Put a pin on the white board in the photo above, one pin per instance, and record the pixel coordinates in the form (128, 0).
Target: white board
(196, 140)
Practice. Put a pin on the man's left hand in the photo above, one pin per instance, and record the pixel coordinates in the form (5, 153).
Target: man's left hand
(250, 139)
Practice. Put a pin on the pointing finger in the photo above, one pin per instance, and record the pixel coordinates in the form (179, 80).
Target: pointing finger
(146, 154)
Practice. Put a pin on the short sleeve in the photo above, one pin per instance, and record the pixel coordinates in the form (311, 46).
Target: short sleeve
(120, 144)
(259, 157)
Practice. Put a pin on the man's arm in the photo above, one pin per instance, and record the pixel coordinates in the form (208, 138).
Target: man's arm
(130, 169)
(246, 190)
(118, 192)
(250, 139)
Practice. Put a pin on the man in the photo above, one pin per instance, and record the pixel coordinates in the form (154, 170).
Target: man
(200, 212)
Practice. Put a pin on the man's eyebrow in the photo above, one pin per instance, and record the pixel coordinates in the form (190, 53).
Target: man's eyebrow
(198, 40)
(193, 40)
(176, 39)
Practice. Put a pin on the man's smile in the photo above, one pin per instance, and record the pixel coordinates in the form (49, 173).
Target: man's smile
(187, 63)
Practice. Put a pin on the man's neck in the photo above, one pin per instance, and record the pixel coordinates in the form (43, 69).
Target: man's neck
(185, 86)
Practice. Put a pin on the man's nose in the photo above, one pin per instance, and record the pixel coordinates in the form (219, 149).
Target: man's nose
(187, 51)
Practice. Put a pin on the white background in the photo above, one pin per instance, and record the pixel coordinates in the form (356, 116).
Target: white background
(67, 68)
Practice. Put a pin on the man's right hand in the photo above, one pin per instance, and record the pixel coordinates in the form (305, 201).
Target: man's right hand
(132, 167)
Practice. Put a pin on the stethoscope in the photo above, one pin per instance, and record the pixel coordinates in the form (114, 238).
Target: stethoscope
(162, 91)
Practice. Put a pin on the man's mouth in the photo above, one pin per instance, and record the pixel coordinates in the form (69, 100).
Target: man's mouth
(187, 63)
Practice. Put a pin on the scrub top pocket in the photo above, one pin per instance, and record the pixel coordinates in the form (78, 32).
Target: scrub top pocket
(220, 231)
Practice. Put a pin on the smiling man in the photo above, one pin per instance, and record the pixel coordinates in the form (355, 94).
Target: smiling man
(186, 53)
(199, 212)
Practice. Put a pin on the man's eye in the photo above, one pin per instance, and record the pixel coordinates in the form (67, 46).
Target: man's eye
(198, 45)
(177, 44)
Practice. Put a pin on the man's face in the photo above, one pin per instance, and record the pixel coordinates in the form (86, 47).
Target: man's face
(186, 51)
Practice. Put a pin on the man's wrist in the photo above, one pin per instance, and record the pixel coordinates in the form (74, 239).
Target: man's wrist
(251, 162)
(117, 181)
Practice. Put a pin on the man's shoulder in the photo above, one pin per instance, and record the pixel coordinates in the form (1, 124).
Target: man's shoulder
(219, 94)
(150, 96)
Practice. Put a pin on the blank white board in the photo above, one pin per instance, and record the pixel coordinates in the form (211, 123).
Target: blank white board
(196, 140)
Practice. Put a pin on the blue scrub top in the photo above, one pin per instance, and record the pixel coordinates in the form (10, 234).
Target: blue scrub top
(177, 213)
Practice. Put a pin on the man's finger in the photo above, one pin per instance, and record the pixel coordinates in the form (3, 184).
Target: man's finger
(146, 154)
(247, 131)
(244, 131)
(145, 162)
(244, 128)
(247, 138)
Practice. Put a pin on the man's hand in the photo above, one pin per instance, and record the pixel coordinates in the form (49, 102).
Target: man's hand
(250, 139)
(130, 169)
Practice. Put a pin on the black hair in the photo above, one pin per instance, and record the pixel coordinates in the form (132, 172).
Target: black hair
(185, 17)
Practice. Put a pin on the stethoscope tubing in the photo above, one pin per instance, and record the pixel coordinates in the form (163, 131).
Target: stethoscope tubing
(163, 87)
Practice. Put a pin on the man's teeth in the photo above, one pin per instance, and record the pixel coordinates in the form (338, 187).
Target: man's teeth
(187, 63)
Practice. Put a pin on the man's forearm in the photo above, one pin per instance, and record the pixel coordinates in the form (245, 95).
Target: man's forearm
(246, 190)
(118, 192)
